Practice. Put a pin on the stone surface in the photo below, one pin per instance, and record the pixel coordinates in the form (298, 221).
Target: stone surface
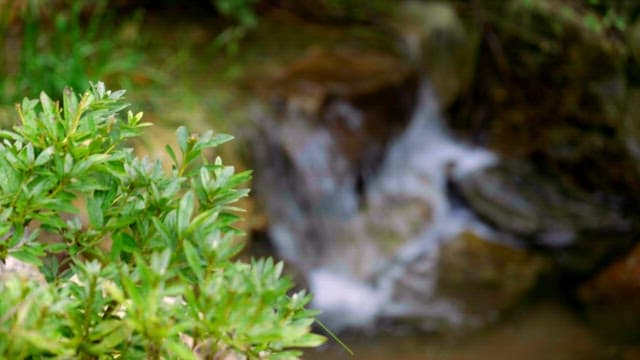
(442, 47)
(466, 283)
(612, 298)
(486, 277)
(582, 230)
(554, 90)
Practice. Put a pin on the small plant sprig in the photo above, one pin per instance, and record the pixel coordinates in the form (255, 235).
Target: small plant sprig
(138, 261)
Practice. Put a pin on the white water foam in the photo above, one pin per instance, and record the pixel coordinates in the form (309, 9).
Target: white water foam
(419, 165)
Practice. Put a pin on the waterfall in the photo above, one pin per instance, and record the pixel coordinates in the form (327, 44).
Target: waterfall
(419, 165)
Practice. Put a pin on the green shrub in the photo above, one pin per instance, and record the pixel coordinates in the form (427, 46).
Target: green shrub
(138, 261)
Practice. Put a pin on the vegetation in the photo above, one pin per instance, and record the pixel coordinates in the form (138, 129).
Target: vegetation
(138, 261)
(68, 43)
(134, 260)
(61, 43)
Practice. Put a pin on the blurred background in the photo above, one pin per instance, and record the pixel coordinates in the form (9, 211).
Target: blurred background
(451, 179)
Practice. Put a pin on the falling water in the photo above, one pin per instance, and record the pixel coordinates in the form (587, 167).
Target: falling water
(419, 166)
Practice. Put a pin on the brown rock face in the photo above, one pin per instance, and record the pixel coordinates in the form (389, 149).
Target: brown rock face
(612, 298)
(436, 39)
(468, 282)
(486, 277)
(363, 98)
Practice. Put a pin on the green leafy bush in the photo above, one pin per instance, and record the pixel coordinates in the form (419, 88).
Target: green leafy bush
(138, 261)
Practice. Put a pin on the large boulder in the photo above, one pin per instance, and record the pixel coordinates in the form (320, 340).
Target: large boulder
(467, 282)
(555, 91)
(583, 230)
(485, 277)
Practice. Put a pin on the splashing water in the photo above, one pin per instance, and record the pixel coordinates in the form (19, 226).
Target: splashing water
(418, 166)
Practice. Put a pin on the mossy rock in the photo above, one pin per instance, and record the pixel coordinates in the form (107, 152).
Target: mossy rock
(436, 39)
(553, 88)
(486, 278)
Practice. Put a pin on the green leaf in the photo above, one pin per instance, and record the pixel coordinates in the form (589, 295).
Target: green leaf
(124, 242)
(183, 139)
(44, 156)
(94, 210)
(70, 103)
(172, 154)
(180, 350)
(68, 163)
(110, 341)
(82, 166)
(11, 135)
(56, 248)
(193, 259)
(48, 105)
(30, 155)
(104, 328)
(163, 231)
(50, 220)
(219, 139)
(308, 340)
(185, 210)
(26, 254)
(59, 205)
(43, 342)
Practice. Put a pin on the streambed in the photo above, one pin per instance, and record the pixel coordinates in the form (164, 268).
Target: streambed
(545, 330)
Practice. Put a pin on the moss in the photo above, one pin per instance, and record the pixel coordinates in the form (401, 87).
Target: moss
(553, 89)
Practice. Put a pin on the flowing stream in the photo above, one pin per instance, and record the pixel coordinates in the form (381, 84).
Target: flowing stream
(419, 166)
(371, 253)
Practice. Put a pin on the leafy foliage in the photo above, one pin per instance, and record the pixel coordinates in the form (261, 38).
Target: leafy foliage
(147, 267)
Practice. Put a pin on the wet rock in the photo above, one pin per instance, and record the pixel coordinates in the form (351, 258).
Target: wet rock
(362, 99)
(612, 298)
(371, 240)
(436, 38)
(519, 200)
(486, 277)
(330, 119)
(583, 230)
(466, 283)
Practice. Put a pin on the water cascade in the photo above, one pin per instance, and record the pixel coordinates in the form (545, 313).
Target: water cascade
(369, 250)
(417, 171)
